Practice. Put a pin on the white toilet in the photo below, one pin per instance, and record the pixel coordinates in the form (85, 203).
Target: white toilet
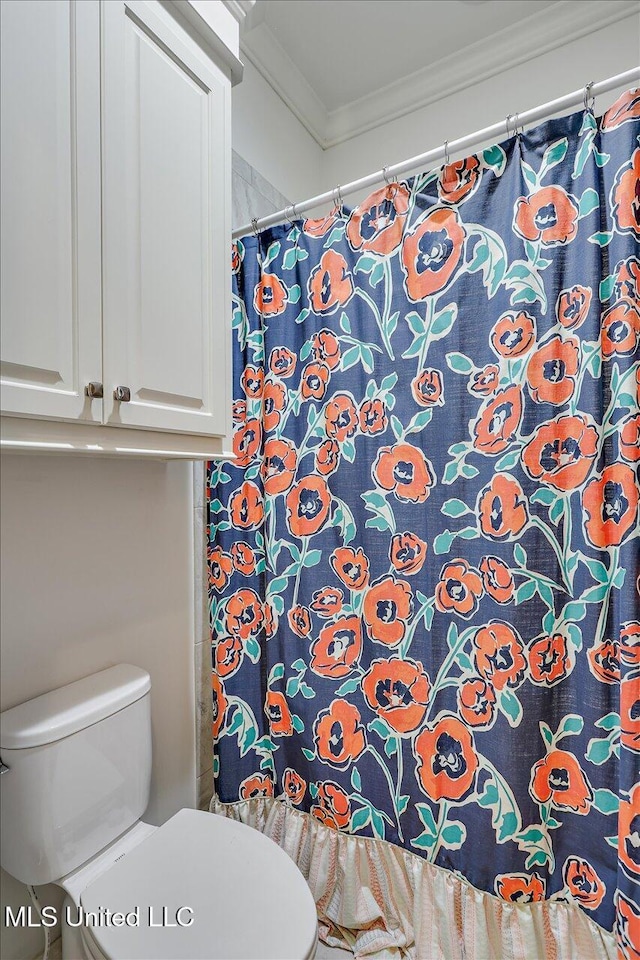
(199, 886)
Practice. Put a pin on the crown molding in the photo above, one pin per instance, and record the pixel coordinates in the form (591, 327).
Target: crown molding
(531, 37)
(272, 61)
(239, 9)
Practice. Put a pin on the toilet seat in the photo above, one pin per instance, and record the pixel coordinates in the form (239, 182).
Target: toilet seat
(248, 899)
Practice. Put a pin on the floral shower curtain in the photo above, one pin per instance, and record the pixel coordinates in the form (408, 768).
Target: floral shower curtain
(424, 577)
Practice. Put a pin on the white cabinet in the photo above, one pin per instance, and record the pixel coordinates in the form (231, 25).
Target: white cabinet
(166, 253)
(50, 242)
(116, 229)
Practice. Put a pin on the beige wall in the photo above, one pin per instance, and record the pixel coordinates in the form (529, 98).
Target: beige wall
(97, 568)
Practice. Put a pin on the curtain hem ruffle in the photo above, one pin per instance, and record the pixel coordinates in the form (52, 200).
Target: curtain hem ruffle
(379, 900)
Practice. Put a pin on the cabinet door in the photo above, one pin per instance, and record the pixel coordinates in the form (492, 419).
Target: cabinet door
(50, 245)
(166, 224)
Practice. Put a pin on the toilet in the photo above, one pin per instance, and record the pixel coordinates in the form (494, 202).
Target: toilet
(75, 784)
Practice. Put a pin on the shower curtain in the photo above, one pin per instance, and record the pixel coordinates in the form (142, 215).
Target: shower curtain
(423, 564)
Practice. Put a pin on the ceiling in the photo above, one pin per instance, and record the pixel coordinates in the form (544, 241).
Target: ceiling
(345, 66)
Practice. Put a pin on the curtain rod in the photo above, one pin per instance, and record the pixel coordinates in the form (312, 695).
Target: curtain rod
(504, 127)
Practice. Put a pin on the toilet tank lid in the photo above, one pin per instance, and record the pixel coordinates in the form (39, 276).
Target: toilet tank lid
(73, 707)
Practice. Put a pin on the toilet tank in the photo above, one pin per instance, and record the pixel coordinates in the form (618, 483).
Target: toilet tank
(79, 762)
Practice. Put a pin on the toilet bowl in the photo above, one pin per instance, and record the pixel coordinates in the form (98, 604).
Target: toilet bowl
(199, 886)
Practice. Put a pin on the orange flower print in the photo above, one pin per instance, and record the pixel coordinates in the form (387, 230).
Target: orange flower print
(583, 883)
(327, 457)
(604, 661)
(313, 384)
(549, 660)
(558, 778)
(630, 643)
(351, 566)
(627, 927)
(330, 285)
(220, 568)
(341, 417)
(561, 452)
(549, 215)
(630, 438)
(239, 410)
(502, 508)
(237, 255)
(387, 607)
(244, 558)
(278, 466)
(625, 109)
(321, 226)
(627, 279)
(300, 621)
(219, 705)
(270, 296)
(485, 381)
(498, 421)
(294, 786)
(477, 702)
(278, 714)
(427, 388)
(629, 832)
(458, 180)
(610, 505)
(269, 619)
(259, 785)
(282, 362)
(551, 370)
(499, 655)
(246, 442)
(338, 734)
(308, 503)
(337, 650)
(407, 553)
(572, 306)
(243, 614)
(327, 602)
(398, 691)
(326, 348)
(405, 470)
(513, 334)
(332, 806)
(620, 330)
(274, 400)
(446, 759)
(520, 887)
(252, 381)
(373, 417)
(376, 225)
(246, 510)
(497, 579)
(459, 589)
(228, 655)
(431, 253)
(630, 715)
(625, 197)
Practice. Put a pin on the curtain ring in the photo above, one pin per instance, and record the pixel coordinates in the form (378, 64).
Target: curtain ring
(385, 176)
(254, 227)
(338, 202)
(516, 124)
(506, 122)
(446, 153)
(587, 94)
(293, 213)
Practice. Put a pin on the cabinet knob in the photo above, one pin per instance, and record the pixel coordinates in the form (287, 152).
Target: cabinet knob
(94, 390)
(123, 394)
